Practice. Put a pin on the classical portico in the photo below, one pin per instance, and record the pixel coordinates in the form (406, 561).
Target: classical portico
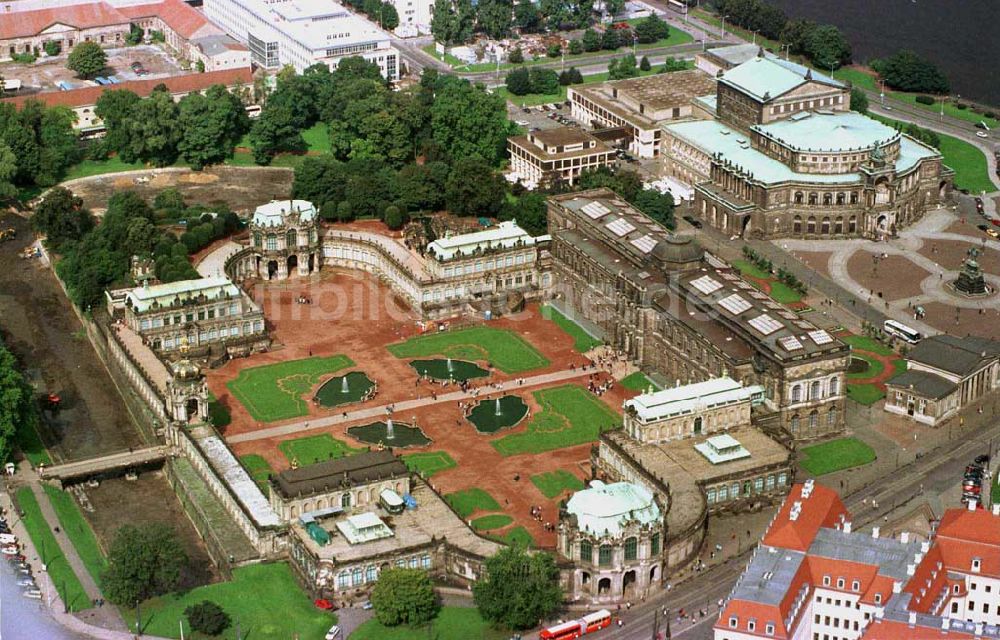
(284, 235)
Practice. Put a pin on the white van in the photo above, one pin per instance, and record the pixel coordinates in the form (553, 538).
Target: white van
(34, 594)
(8, 538)
(333, 633)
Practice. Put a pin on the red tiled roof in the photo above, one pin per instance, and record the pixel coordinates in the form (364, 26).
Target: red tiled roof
(761, 614)
(178, 15)
(822, 508)
(25, 24)
(927, 582)
(964, 535)
(177, 84)
(893, 630)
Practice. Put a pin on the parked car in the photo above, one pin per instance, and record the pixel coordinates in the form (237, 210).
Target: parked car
(324, 604)
(333, 633)
(9, 550)
(522, 123)
(983, 459)
(26, 582)
(982, 134)
(993, 233)
(694, 222)
(366, 605)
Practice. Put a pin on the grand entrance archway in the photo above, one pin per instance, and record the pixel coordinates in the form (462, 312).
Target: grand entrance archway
(628, 583)
(292, 263)
(272, 269)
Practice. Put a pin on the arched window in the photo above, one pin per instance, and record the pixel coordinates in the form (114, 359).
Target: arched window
(813, 198)
(631, 548)
(291, 238)
(796, 393)
(813, 419)
(345, 500)
(371, 574)
(815, 390)
(831, 417)
(840, 199)
(604, 555)
(825, 226)
(811, 225)
(798, 197)
(827, 199)
(356, 578)
(795, 422)
(797, 224)
(852, 224)
(586, 551)
(838, 224)
(654, 544)
(343, 580)
(258, 239)
(834, 386)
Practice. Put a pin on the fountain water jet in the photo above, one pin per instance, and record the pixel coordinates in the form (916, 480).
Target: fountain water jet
(344, 387)
(390, 432)
(451, 367)
(498, 411)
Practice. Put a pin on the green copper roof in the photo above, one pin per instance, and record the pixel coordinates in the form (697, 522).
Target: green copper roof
(828, 131)
(603, 509)
(767, 77)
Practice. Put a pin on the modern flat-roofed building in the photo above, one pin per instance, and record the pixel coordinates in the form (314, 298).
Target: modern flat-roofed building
(943, 374)
(559, 155)
(651, 294)
(785, 156)
(302, 33)
(197, 313)
(814, 576)
(640, 106)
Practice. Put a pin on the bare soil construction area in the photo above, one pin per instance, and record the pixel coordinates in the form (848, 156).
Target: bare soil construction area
(239, 188)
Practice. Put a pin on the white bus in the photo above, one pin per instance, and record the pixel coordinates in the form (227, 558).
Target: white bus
(902, 331)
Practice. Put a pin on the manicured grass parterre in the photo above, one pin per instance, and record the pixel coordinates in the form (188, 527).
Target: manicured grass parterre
(518, 536)
(274, 391)
(264, 597)
(875, 367)
(429, 463)
(864, 343)
(40, 532)
(827, 457)
(866, 394)
(259, 469)
(78, 531)
(492, 521)
(452, 623)
(468, 501)
(582, 341)
(570, 415)
(553, 483)
(312, 449)
(503, 349)
(637, 381)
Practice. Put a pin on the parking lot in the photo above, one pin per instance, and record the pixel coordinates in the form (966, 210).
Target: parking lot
(44, 73)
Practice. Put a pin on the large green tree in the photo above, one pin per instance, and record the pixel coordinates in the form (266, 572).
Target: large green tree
(452, 21)
(143, 561)
(624, 67)
(859, 100)
(651, 29)
(495, 17)
(527, 17)
(87, 59)
(17, 402)
(518, 588)
(827, 47)
(210, 125)
(404, 596)
(114, 108)
(474, 189)
(153, 130)
(62, 217)
(907, 71)
(8, 170)
(467, 121)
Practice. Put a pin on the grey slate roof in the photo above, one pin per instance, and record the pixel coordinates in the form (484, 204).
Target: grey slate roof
(960, 356)
(345, 472)
(769, 576)
(923, 383)
(888, 554)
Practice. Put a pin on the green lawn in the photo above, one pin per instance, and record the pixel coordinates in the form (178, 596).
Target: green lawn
(866, 394)
(518, 536)
(89, 167)
(996, 490)
(864, 343)
(748, 268)
(30, 443)
(553, 483)
(779, 292)
(637, 381)
(429, 463)
(820, 459)
(570, 415)
(503, 349)
(466, 502)
(78, 530)
(312, 449)
(875, 367)
(259, 469)
(66, 582)
(582, 341)
(898, 366)
(274, 391)
(317, 137)
(714, 20)
(492, 521)
(857, 78)
(452, 623)
(264, 597)
(969, 163)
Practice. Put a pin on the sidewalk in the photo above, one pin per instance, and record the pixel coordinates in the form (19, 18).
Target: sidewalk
(51, 599)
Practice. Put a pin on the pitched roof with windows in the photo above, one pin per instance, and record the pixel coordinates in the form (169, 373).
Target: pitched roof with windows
(807, 509)
(32, 22)
(350, 471)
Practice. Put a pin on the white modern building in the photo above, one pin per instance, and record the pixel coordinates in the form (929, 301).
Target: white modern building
(302, 33)
(414, 16)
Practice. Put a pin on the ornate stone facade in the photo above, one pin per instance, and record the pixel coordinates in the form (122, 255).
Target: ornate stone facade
(285, 237)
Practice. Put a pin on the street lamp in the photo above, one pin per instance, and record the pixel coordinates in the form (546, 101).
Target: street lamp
(723, 36)
(787, 48)
(755, 37)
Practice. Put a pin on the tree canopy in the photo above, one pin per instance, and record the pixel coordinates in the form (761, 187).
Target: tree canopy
(907, 71)
(404, 596)
(62, 217)
(827, 47)
(37, 145)
(17, 401)
(143, 561)
(207, 617)
(87, 59)
(518, 589)
(452, 21)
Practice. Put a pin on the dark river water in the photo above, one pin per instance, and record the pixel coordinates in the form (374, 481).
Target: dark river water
(961, 36)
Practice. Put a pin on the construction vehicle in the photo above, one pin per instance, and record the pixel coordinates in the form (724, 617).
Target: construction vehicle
(8, 234)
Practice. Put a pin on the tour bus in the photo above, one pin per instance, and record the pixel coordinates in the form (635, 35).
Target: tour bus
(575, 628)
(902, 331)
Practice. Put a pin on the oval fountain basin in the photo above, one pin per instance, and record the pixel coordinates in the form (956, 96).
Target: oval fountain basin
(439, 369)
(486, 419)
(334, 392)
(403, 435)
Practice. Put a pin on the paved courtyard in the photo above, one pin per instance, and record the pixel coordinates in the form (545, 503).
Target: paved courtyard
(353, 314)
(913, 270)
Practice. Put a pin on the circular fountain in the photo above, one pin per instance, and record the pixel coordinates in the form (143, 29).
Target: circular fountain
(350, 387)
(448, 369)
(390, 434)
(503, 413)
